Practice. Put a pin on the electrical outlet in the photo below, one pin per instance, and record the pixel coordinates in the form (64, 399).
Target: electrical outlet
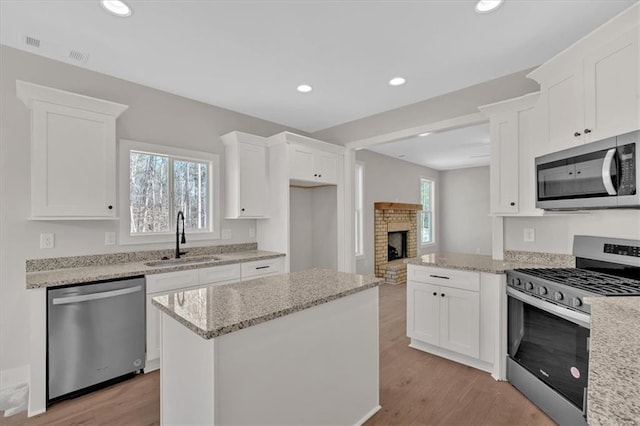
(226, 234)
(252, 232)
(109, 238)
(529, 235)
(47, 240)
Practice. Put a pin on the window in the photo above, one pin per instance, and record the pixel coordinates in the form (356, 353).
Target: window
(426, 197)
(358, 203)
(159, 181)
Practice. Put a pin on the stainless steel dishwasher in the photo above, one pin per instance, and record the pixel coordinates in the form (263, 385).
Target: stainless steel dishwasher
(95, 333)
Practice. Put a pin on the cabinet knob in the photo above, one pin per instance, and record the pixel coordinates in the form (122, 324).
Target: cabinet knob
(110, 207)
(242, 209)
(315, 175)
(442, 294)
(512, 203)
(576, 134)
(319, 175)
(435, 294)
(586, 131)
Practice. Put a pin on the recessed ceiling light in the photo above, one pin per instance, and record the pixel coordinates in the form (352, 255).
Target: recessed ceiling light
(486, 6)
(424, 134)
(116, 7)
(397, 81)
(304, 88)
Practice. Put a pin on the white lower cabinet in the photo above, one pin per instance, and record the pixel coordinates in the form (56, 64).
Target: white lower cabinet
(457, 315)
(262, 268)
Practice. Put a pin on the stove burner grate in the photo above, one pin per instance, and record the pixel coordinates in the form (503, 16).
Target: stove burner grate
(593, 282)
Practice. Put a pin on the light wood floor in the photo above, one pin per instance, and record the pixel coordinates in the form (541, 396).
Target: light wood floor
(415, 389)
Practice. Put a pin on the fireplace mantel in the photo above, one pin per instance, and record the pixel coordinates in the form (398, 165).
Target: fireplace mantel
(397, 206)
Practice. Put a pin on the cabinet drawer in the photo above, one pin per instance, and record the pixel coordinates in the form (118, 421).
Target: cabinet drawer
(465, 280)
(262, 267)
(219, 273)
(171, 281)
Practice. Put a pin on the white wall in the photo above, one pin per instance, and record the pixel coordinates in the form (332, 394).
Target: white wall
(554, 233)
(313, 228)
(153, 116)
(389, 179)
(465, 224)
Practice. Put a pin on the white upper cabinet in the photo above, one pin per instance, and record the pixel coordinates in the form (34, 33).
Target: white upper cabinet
(73, 154)
(611, 82)
(512, 186)
(246, 184)
(590, 91)
(312, 165)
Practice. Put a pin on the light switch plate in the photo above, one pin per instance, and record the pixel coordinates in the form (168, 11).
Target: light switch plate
(252, 232)
(529, 235)
(47, 240)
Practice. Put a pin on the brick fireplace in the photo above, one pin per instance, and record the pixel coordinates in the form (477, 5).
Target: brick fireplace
(400, 221)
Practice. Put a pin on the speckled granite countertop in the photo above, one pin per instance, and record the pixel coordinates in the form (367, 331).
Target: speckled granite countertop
(484, 263)
(614, 361)
(213, 311)
(82, 274)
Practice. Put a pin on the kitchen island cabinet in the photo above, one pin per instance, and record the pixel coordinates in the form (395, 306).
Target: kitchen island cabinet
(298, 348)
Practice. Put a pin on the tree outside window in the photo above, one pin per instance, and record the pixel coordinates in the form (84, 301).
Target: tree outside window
(426, 197)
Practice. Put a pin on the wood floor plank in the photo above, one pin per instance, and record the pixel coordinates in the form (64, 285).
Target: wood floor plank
(416, 388)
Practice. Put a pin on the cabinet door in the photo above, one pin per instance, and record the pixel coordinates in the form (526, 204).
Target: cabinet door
(219, 274)
(301, 163)
(562, 101)
(261, 268)
(612, 93)
(423, 312)
(253, 180)
(326, 166)
(73, 162)
(504, 163)
(460, 321)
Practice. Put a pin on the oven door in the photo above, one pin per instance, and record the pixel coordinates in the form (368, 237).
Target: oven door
(551, 343)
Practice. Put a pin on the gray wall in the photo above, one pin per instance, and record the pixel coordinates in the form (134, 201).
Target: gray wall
(554, 233)
(153, 116)
(389, 179)
(465, 224)
(451, 105)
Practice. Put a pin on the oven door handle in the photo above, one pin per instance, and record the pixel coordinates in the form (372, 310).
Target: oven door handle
(579, 318)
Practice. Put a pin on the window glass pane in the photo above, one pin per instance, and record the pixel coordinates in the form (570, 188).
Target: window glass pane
(149, 193)
(191, 193)
(426, 187)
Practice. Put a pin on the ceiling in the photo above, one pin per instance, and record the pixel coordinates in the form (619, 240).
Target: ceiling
(453, 149)
(249, 56)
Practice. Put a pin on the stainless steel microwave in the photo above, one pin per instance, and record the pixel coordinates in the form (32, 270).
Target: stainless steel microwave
(597, 175)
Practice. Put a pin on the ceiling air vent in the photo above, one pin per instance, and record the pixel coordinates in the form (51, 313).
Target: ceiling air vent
(31, 41)
(78, 56)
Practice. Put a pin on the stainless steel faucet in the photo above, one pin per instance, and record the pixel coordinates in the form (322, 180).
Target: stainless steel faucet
(179, 240)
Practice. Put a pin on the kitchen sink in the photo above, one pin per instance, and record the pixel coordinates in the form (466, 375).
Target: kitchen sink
(182, 261)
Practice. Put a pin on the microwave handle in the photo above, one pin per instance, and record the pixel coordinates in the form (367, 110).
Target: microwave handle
(606, 172)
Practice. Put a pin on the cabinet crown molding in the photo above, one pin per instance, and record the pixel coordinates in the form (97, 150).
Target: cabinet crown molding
(241, 137)
(30, 92)
(288, 137)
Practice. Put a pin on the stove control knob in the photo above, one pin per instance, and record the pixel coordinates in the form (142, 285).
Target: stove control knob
(542, 291)
(529, 286)
(576, 302)
(516, 282)
(558, 296)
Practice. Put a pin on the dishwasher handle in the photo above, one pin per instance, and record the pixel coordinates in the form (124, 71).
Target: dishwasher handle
(96, 296)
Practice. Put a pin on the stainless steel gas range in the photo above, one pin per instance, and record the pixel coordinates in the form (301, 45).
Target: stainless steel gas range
(549, 323)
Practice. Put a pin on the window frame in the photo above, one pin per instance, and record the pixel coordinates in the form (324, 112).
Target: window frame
(358, 226)
(432, 196)
(124, 154)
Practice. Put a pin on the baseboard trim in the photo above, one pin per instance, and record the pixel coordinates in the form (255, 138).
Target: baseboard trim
(453, 356)
(152, 365)
(368, 415)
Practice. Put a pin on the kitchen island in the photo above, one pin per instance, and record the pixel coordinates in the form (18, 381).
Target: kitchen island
(298, 348)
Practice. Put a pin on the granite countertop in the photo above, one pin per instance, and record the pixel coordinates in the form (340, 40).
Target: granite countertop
(92, 272)
(484, 263)
(213, 311)
(614, 361)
